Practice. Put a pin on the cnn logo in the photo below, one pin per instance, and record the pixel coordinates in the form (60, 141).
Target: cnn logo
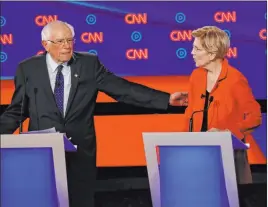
(42, 20)
(221, 17)
(232, 53)
(136, 18)
(6, 39)
(263, 34)
(181, 35)
(137, 54)
(95, 37)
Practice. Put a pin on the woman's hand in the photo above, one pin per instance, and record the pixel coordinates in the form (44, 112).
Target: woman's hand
(218, 130)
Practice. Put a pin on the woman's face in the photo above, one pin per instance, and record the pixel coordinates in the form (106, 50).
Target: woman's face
(200, 55)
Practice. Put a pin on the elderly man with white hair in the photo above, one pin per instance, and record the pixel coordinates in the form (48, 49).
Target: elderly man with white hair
(59, 89)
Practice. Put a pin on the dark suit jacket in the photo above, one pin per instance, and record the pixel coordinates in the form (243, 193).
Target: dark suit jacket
(32, 79)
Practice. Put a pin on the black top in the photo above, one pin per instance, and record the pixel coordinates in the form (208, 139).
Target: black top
(204, 127)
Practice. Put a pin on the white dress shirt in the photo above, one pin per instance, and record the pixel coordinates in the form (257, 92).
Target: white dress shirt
(66, 71)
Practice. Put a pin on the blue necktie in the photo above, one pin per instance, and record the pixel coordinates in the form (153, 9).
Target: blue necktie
(59, 89)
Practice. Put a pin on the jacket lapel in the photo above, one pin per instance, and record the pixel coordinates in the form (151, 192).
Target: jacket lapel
(200, 89)
(75, 72)
(44, 80)
(222, 76)
(202, 86)
(215, 103)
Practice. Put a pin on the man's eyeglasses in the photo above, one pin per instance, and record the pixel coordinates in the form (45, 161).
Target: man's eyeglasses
(63, 41)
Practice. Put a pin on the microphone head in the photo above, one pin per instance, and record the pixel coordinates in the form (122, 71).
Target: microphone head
(35, 90)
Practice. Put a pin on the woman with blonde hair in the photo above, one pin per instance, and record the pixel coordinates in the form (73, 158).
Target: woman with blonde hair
(219, 96)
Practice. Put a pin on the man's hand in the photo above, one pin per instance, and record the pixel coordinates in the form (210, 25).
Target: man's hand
(179, 99)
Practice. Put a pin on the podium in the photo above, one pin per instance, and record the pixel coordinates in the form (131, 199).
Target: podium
(33, 170)
(194, 169)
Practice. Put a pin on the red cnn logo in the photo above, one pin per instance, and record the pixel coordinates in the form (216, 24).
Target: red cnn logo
(181, 35)
(263, 34)
(42, 20)
(136, 18)
(88, 37)
(137, 54)
(221, 17)
(232, 52)
(6, 39)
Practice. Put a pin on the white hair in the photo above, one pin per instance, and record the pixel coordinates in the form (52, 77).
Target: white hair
(46, 31)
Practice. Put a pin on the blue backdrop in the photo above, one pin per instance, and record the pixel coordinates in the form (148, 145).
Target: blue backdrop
(152, 44)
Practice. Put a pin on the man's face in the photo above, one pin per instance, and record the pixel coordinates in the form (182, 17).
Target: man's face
(60, 43)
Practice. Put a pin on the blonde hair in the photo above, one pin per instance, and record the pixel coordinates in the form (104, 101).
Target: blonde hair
(213, 40)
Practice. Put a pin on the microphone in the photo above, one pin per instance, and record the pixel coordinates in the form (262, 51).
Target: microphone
(36, 110)
(211, 98)
(22, 107)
